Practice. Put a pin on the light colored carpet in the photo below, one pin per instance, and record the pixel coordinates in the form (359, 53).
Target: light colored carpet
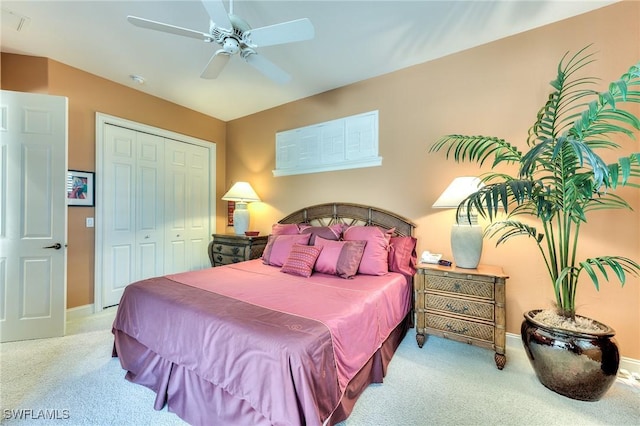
(75, 379)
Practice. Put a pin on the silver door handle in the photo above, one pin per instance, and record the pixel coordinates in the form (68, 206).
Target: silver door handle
(56, 246)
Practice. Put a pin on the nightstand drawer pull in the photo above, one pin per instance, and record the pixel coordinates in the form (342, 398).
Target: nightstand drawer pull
(452, 308)
(467, 328)
(218, 248)
(450, 284)
(463, 330)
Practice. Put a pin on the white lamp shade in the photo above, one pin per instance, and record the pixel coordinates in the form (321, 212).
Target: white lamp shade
(458, 190)
(241, 192)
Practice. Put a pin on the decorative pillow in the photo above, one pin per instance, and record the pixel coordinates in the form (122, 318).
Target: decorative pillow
(402, 255)
(301, 260)
(284, 229)
(375, 260)
(278, 247)
(340, 258)
(331, 232)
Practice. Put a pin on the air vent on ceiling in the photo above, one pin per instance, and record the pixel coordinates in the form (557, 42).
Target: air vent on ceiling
(11, 19)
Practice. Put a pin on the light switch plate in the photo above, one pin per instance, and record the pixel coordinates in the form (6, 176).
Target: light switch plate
(89, 222)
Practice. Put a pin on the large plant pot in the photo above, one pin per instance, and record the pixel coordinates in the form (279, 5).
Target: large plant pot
(578, 365)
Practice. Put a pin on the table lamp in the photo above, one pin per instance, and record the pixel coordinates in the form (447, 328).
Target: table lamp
(242, 193)
(466, 234)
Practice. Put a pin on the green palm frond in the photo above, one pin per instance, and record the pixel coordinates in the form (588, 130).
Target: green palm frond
(619, 265)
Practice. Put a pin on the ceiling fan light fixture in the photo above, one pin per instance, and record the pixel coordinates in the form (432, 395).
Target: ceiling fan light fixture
(231, 45)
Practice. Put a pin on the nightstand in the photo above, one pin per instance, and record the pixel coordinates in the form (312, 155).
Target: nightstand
(467, 305)
(230, 248)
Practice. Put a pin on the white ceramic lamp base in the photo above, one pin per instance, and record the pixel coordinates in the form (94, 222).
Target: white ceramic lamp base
(240, 218)
(466, 245)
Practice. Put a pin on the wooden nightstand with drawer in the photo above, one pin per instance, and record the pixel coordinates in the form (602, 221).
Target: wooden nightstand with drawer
(467, 305)
(225, 249)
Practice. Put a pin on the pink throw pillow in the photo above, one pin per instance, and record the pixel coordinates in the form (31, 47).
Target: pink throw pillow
(375, 260)
(279, 246)
(402, 255)
(331, 232)
(284, 229)
(301, 260)
(340, 258)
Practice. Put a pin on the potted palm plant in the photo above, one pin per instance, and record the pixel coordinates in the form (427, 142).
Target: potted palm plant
(561, 178)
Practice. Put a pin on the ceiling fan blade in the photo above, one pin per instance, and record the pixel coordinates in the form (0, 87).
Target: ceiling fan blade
(217, 13)
(166, 28)
(286, 32)
(267, 68)
(216, 64)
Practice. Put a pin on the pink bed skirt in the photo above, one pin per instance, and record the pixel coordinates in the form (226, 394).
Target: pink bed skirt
(199, 402)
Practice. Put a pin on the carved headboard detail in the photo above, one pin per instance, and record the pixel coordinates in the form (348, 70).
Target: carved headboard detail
(351, 214)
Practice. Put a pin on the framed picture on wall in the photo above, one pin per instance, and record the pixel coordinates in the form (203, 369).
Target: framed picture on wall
(80, 188)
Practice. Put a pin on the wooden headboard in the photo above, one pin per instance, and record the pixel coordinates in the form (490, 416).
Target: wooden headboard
(351, 214)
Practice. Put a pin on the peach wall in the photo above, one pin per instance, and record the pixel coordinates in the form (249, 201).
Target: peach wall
(87, 95)
(31, 76)
(495, 89)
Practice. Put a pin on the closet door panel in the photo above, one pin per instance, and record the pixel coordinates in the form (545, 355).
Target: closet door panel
(187, 177)
(149, 206)
(176, 202)
(119, 241)
(198, 166)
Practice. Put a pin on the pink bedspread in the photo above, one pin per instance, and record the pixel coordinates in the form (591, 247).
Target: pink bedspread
(311, 335)
(360, 313)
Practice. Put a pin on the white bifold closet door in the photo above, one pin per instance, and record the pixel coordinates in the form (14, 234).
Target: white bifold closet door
(156, 196)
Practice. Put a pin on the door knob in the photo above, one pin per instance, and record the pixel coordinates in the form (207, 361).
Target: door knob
(56, 246)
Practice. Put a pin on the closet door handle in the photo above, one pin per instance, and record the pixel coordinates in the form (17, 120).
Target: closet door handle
(56, 246)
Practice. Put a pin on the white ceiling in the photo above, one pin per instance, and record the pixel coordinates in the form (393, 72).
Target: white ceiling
(354, 40)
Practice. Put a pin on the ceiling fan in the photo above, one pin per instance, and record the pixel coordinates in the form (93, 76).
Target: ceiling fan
(235, 36)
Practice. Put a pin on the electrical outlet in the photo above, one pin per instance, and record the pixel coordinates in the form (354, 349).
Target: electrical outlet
(89, 222)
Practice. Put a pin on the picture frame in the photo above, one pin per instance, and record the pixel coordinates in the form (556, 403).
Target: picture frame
(80, 188)
(231, 207)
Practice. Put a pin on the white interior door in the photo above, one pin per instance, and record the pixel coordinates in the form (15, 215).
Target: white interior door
(33, 215)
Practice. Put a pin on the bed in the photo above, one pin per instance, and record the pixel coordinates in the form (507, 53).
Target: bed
(246, 344)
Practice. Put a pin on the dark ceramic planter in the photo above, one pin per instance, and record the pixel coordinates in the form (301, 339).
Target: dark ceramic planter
(577, 365)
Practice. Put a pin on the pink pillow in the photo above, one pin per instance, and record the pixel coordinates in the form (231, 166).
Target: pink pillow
(375, 260)
(402, 255)
(284, 229)
(331, 232)
(278, 247)
(301, 260)
(340, 258)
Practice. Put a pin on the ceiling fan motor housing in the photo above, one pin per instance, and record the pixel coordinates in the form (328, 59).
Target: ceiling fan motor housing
(231, 45)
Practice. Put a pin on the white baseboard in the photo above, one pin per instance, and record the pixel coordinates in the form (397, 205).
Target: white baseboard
(514, 342)
(80, 312)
